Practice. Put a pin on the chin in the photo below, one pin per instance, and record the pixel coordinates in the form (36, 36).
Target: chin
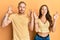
(21, 12)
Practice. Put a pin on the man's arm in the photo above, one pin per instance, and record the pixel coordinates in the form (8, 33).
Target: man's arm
(6, 20)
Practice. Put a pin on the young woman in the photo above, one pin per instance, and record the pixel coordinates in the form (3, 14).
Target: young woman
(43, 23)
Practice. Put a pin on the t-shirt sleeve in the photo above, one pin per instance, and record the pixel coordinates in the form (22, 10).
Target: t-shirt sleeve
(10, 17)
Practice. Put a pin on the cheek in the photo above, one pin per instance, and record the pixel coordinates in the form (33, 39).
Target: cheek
(42, 11)
(23, 8)
(19, 8)
(45, 11)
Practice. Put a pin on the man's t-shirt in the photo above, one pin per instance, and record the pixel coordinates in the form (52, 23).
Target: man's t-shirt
(20, 27)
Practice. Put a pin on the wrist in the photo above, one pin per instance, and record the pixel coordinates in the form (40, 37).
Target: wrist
(7, 15)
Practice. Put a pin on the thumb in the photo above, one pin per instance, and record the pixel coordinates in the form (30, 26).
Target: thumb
(35, 15)
(9, 9)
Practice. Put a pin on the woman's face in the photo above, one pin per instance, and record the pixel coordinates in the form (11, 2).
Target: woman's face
(44, 10)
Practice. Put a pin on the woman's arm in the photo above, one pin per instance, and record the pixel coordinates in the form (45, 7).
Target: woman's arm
(36, 23)
(54, 26)
(36, 26)
(31, 23)
(54, 22)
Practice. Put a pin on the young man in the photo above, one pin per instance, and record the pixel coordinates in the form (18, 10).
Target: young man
(19, 22)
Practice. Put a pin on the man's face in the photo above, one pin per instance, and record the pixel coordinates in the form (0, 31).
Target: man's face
(22, 8)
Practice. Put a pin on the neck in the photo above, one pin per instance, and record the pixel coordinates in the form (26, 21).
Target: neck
(21, 13)
(43, 17)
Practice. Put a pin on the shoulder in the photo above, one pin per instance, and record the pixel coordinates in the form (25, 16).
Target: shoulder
(27, 18)
(13, 14)
(47, 21)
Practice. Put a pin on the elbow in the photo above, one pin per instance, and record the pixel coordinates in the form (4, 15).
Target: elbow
(4, 25)
(36, 30)
(31, 28)
(53, 30)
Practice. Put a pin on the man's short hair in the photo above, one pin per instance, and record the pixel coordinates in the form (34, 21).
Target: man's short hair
(21, 2)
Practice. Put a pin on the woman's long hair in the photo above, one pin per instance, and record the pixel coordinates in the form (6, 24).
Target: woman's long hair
(48, 16)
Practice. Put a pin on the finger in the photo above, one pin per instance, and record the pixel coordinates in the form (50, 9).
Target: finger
(10, 8)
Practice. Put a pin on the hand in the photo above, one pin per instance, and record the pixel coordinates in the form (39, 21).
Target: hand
(31, 15)
(35, 16)
(56, 16)
(9, 10)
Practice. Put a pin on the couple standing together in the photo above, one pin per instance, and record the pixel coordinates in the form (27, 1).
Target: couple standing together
(42, 24)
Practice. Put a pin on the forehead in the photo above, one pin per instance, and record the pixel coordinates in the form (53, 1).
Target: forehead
(22, 4)
(44, 7)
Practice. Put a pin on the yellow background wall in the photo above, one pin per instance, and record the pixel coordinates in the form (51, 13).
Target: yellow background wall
(54, 5)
